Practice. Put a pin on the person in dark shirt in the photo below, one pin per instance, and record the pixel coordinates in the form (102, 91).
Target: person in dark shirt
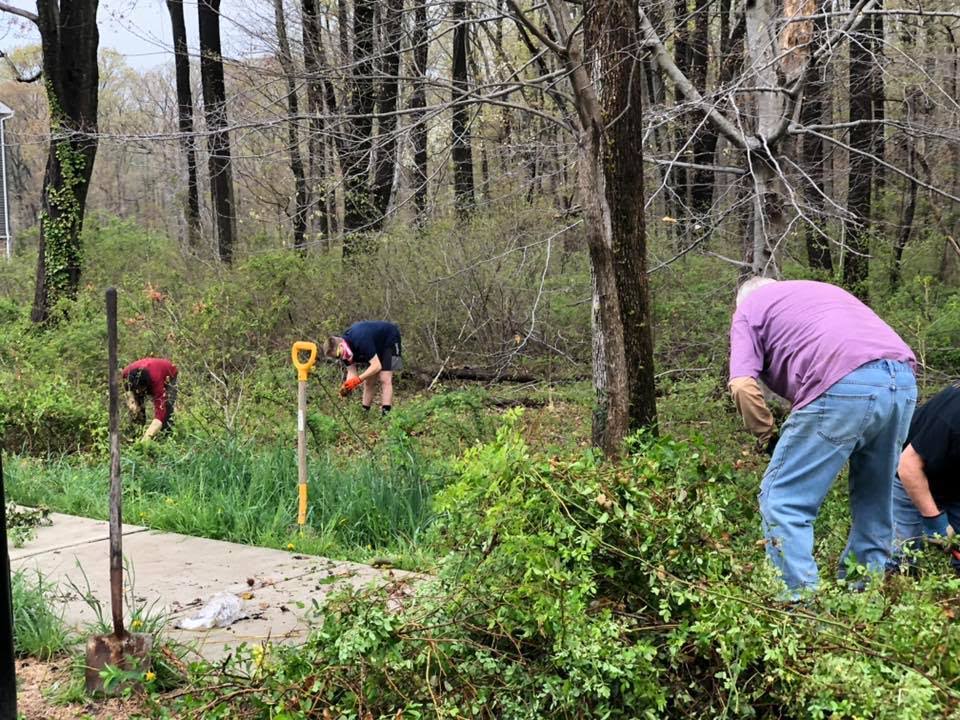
(926, 491)
(156, 377)
(373, 343)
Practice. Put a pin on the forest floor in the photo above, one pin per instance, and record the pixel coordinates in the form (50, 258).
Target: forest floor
(38, 681)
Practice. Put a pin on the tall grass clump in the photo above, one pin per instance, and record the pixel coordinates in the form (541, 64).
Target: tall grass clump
(38, 629)
(231, 490)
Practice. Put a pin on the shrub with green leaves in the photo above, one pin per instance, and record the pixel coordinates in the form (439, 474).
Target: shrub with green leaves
(573, 588)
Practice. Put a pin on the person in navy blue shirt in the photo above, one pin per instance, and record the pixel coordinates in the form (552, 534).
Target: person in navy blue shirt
(373, 343)
(926, 490)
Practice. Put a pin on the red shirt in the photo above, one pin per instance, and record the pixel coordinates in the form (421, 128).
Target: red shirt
(160, 371)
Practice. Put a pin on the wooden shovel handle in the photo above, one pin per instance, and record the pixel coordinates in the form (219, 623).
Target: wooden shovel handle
(116, 494)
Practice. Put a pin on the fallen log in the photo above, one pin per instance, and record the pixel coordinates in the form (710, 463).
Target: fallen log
(474, 374)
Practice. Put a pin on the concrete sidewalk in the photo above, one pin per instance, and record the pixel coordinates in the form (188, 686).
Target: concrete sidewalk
(177, 574)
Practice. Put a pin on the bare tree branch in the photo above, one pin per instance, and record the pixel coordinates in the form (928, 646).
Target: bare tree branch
(32, 17)
(19, 76)
(725, 169)
(535, 29)
(666, 63)
(881, 161)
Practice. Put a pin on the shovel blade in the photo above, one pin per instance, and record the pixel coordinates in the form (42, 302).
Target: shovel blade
(130, 652)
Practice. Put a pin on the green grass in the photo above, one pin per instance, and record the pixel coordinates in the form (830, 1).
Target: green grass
(39, 631)
(369, 505)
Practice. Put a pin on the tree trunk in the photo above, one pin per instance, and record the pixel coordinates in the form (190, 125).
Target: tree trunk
(655, 97)
(418, 102)
(811, 113)
(856, 262)
(293, 132)
(218, 142)
(705, 140)
(357, 144)
(915, 103)
(320, 170)
(69, 40)
(181, 59)
(879, 96)
(949, 259)
(906, 221)
(611, 417)
(389, 90)
(769, 217)
(343, 23)
(461, 149)
(730, 60)
(683, 126)
(953, 82)
(614, 233)
(610, 34)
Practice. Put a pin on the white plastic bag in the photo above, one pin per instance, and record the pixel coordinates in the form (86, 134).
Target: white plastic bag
(221, 610)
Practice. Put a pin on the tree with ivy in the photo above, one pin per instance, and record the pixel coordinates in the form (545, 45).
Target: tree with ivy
(69, 40)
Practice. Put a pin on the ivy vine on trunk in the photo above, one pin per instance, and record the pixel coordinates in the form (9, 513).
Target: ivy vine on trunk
(69, 41)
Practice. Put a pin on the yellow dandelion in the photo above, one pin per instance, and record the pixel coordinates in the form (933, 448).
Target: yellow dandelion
(136, 624)
(289, 546)
(150, 676)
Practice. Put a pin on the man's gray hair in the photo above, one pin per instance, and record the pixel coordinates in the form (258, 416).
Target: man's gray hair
(754, 283)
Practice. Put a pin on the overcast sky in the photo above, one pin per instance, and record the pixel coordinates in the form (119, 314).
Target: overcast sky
(140, 29)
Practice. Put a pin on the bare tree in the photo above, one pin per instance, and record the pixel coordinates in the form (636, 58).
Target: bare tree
(293, 131)
(916, 103)
(418, 101)
(386, 164)
(185, 119)
(812, 113)
(608, 126)
(357, 141)
(321, 104)
(611, 40)
(215, 111)
(461, 149)
(862, 163)
(69, 38)
(704, 141)
(781, 61)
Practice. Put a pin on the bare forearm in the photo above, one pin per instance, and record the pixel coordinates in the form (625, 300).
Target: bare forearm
(915, 482)
(152, 430)
(372, 369)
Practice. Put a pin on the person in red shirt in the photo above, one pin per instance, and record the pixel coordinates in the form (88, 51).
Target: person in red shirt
(156, 377)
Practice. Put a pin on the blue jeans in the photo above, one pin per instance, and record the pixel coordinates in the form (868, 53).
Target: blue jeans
(908, 528)
(863, 418)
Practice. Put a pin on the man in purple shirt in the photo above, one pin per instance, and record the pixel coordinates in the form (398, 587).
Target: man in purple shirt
(850, 380)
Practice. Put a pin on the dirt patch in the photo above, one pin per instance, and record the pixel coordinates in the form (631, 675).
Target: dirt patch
(35, 678)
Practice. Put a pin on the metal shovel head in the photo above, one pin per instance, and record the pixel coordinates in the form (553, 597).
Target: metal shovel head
(130, 652)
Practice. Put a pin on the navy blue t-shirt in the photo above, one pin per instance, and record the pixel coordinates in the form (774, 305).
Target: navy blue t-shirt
(372, 337)
(935, 435)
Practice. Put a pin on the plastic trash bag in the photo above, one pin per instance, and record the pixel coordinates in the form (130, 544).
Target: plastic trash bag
(221, 610)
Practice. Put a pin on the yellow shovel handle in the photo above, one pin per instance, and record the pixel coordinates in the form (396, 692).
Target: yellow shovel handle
(302, 506)
(303, 368)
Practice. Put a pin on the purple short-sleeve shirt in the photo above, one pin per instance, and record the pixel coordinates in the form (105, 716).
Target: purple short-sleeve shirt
(800, 337)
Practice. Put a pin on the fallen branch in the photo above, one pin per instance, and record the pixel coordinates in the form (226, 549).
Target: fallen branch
(477, 374)
(428, 375)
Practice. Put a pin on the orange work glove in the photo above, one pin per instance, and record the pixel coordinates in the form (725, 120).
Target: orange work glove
(349, 386)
